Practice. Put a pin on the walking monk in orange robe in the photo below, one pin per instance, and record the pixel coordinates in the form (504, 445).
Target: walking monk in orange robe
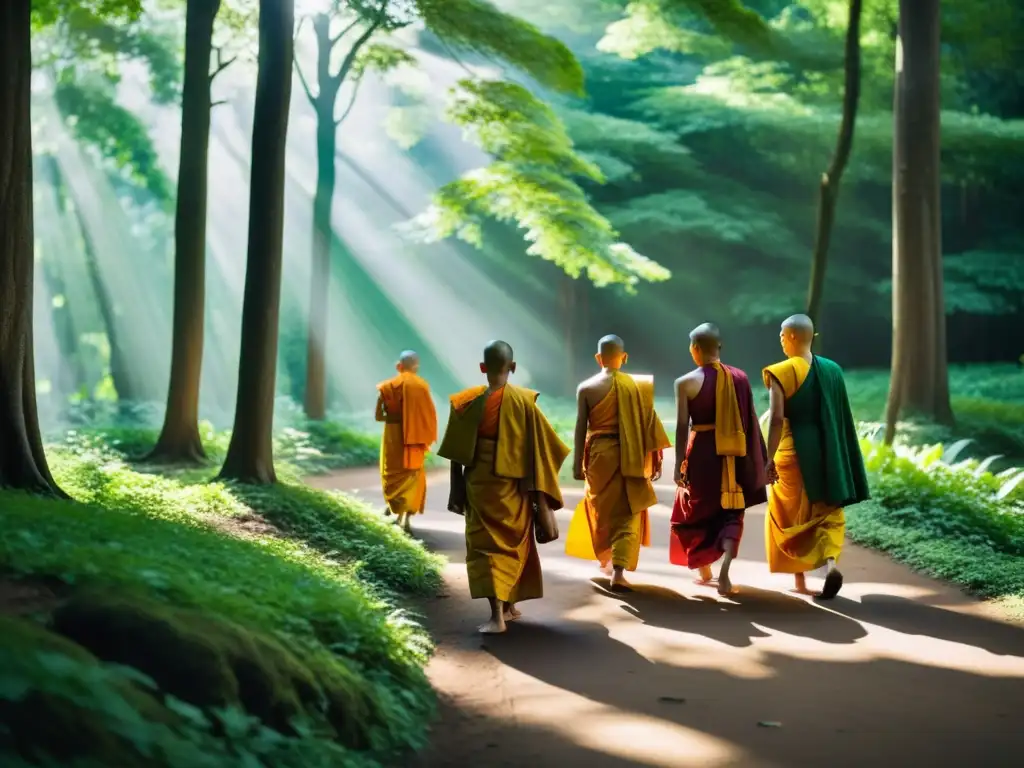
(619, 444)
(815, 465)
(505, 458)
(721, 471)
(405, 406)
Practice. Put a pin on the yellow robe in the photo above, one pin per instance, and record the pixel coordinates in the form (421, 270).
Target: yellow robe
(799, 536)
(611, 523)
(509, 450)
(409, 430)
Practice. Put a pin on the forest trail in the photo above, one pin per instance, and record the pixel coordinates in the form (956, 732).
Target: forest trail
(898, 669)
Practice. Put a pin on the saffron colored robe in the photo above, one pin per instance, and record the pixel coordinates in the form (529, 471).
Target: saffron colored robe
(724, 479)
(611, 523)
(410, 428)
(820, 466)
(508, 450)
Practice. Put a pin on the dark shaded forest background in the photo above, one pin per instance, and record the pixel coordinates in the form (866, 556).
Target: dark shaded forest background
(711, 159)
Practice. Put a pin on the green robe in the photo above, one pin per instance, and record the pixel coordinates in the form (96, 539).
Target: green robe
(825, 437)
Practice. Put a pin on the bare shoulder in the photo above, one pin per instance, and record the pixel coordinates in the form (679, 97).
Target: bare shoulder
(591, 384)
(690, 383)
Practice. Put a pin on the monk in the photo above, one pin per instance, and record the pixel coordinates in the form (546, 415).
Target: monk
(405, 406)
(618, 453)
(722, 469)
(815, 465)
(505, 459)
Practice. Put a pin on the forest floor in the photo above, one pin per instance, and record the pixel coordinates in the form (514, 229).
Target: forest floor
(898, 669)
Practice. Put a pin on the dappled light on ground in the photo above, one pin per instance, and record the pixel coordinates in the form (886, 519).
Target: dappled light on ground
(764, 677)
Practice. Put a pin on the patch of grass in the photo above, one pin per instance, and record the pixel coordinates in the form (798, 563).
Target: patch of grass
(282, 603)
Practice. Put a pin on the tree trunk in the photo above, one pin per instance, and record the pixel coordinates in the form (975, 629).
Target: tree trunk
(250, 453)
(120, 367)
(568, 290)
(22, 459)
(829, 191)
(179, 440)
(326, 149)
(920, 382)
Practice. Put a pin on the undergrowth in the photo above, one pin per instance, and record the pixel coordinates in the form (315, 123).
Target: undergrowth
(952, 519)
(285, 601)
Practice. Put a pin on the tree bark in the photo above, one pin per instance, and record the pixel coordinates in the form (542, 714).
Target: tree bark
(326, 150)
(179, 440)
(829, 191)
(250, 453)
(920, 381)
(22, 459)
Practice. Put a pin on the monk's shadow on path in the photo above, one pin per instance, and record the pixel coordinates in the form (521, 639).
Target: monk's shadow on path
(918, 618)
(894, 712)
(735, 620)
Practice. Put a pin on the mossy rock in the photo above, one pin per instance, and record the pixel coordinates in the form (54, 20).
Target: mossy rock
(213, 663)
(52, 705)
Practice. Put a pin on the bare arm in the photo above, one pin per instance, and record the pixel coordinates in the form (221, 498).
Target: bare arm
(580, 437)
(682, 429)
(777, 415)
(379, 414)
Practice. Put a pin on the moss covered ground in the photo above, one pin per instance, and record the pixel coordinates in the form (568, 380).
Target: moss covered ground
(173, 621)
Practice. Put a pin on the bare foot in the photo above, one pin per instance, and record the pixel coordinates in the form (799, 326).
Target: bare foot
(725, 587)
(800, 584)
(493, 626)
(512, 613)
(705, 576)
(606, 568)
(619, 583)
(407, 526)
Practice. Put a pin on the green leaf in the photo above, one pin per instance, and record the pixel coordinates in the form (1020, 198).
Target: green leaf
(477, 26)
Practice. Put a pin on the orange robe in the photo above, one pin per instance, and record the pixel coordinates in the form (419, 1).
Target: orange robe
(799, 535)
(508, 450)
(611, 523)
(410, 428)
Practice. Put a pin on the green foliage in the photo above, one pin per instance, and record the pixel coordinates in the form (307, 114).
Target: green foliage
(94, 116)
(956, 521)
(477, 26)
(294, 590)
(530, 183)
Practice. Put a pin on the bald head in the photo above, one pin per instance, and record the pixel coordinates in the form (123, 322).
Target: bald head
(707, 338)
(611, 352)
(799, 328)
(498, 358)
(408, 361)
(610, 346)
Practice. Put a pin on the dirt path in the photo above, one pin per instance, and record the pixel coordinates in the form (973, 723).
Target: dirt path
(900, 670)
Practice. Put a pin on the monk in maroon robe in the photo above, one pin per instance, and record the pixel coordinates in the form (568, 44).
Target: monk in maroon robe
(722, 470)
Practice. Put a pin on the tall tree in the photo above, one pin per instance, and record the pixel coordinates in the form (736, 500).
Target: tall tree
(179, 439)
(829, 189)
(920, 381)
(356, 31)
(22, 460)
(250, 452)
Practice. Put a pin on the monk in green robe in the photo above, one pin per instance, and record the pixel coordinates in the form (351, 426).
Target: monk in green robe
(815, 465)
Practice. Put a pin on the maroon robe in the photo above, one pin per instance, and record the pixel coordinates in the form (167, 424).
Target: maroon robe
(699, 524)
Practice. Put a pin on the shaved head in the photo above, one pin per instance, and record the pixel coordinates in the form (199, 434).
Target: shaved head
(707, 338)
(498, 357)
(610, 346)
(408, 362)
(801, 326)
